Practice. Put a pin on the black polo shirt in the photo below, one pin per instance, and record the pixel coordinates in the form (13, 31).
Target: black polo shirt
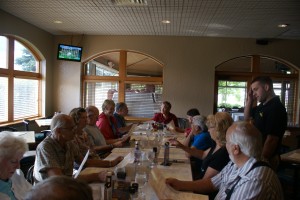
(270, 119)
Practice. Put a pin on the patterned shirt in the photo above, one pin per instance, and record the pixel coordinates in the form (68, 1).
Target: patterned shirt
(259, 183)
(83, 143)
(50, 154)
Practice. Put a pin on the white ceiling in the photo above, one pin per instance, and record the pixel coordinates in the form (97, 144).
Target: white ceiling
(213, 18)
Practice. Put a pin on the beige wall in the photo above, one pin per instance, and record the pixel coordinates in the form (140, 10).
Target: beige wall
(189, 62)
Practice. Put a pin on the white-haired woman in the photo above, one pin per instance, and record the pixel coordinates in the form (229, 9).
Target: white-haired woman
(13, 185)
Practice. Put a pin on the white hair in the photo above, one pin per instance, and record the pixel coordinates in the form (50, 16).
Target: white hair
(248, 138)
(200, 121)
(11, 145)
(59, 121)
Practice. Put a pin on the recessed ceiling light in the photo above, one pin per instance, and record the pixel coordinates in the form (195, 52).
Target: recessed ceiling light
(57, 22)
(166, 21)
(282, 25)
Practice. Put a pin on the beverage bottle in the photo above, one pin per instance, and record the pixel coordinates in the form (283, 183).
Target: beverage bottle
(155, 155)
(166, 154)
(137, 153)
(108, 186)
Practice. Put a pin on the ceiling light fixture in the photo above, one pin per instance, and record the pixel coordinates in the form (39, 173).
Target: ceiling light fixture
(166, 21)
(130, 2)
(282, 25)
(57, 22)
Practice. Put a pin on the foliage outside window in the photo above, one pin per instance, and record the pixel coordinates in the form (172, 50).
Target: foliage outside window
(124, 76)
(231, 94)
(19, 81)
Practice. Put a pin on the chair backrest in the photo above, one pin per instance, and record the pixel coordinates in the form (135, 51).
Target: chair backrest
(182, 123)
(7, 128)
(29, 175)
(26, 163)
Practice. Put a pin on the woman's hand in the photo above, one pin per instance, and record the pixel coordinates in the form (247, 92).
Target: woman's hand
(117, 160)
(174, 183)
(102, 176)
(176, 143)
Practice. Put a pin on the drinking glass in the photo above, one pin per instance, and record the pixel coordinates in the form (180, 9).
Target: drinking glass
(141, 179)
(151, 156)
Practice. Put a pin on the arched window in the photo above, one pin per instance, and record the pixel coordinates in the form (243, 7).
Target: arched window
(233, 78)
(20, 81)
(124, 76)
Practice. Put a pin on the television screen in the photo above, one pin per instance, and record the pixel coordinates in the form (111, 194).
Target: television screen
(69, 52)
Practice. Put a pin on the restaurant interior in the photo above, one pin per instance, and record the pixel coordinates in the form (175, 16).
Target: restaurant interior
(143, 53)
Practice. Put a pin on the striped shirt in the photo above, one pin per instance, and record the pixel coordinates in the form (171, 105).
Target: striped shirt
(259, 183)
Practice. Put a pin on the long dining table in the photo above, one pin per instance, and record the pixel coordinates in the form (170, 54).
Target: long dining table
(155, 188)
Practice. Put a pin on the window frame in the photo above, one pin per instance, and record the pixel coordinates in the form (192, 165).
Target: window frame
(122, 79)
(249, 76)
(11, 73)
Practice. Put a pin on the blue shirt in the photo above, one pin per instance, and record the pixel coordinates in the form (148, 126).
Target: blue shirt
(6, 188)
(120, 120)
(202, 141)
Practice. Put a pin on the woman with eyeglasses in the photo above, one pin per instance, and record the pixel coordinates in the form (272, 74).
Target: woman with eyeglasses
(215, 158)
(83, 142)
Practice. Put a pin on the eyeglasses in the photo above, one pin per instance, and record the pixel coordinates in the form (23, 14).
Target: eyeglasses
(73, 128)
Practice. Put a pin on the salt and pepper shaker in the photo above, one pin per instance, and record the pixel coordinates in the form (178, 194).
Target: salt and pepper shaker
(108, 186)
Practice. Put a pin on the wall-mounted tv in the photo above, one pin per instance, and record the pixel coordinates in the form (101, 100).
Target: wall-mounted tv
(69, 52)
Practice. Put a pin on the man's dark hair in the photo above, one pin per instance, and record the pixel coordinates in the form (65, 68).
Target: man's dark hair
(264, 80)
(168, 104)
(120, 106)
(193, 112)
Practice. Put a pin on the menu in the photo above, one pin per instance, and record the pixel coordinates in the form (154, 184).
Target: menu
(164, 191)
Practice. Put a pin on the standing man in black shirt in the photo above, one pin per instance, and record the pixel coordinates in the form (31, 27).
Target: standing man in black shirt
(270, 117)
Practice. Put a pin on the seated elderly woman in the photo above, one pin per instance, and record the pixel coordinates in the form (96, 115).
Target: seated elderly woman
(216, 157)
(82, 141)
(13, 185)
(200, 139)
(107, 124)
(165, 116)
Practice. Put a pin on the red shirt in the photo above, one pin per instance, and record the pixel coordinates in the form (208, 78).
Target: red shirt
(159, 117)
(106, 126)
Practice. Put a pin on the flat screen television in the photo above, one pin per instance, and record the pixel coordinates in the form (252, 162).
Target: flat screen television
(69, 52)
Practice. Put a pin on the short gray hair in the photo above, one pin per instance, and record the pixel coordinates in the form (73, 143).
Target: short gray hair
(92, 109)
(11, 145)
(106, 103)
(120, 106)
(60, 188)
(58, 121)
(248, 138)
(200, 121)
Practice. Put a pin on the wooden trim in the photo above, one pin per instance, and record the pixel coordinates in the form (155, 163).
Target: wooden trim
(10, 79)
(4, 72)
(101, 78)
(255, 63)
(254, 74)
(27, 75)
(122, 74)
(10, 73)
